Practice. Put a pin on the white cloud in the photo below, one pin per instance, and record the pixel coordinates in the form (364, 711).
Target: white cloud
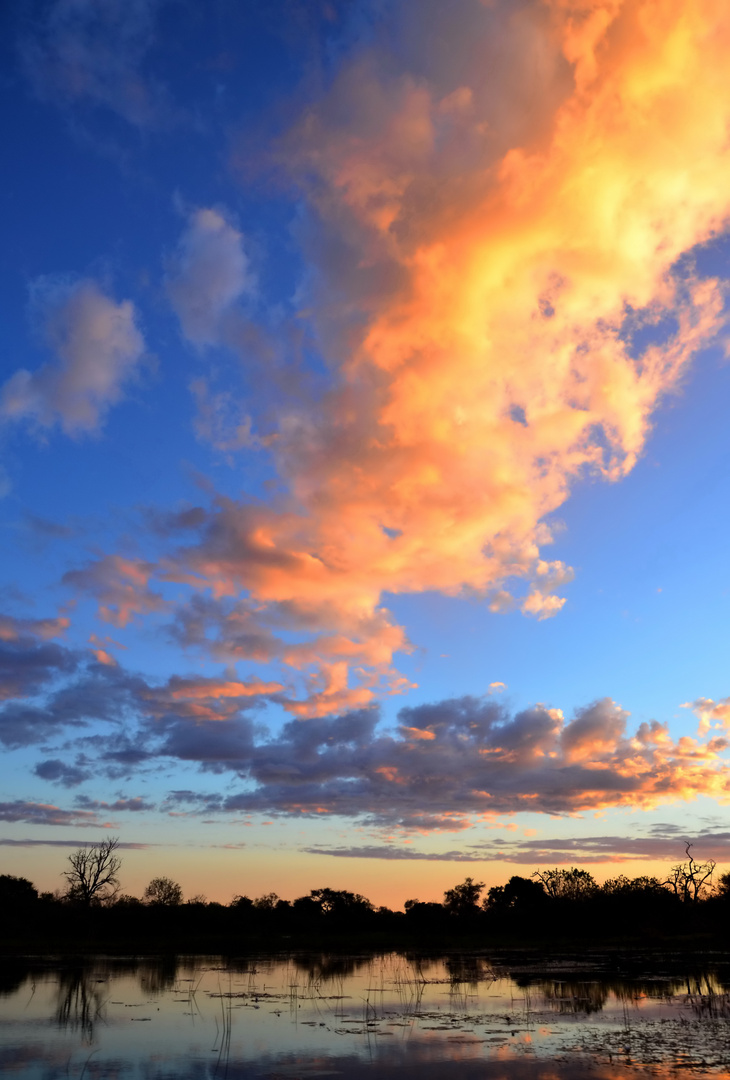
(98, 347)
(207, 275)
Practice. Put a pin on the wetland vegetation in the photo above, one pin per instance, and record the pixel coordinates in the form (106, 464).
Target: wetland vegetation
(494, 1015)
(550, 907)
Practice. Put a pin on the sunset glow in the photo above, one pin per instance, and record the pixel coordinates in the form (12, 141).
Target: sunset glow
(364, 479)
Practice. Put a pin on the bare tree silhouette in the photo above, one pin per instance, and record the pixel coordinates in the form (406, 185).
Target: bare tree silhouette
(690, 879)
(92, 878)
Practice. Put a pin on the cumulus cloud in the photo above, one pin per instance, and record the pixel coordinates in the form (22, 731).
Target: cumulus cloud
(47, 691)
(50, 692)
(98, 347)
(27, 665)
(87, 52)
(207, 275)
(446, 765)
(203, 720)
(483, 241)
(710, 713)
(60, 773)
(455, 762)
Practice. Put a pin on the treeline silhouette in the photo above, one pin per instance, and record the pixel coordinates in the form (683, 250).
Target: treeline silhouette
(550, 905)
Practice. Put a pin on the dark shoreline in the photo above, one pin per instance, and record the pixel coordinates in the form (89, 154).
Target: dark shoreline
(568, 953)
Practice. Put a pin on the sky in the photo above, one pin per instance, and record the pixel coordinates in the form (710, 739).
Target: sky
(363, 458)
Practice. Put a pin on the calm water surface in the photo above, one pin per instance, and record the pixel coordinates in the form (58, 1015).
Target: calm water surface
(393, 1015)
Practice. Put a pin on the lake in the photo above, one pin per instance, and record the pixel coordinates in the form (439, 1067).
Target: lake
(493, 1017)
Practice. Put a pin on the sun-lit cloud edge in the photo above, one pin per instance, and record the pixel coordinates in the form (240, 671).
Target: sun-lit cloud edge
(503, 304)
(442, 767)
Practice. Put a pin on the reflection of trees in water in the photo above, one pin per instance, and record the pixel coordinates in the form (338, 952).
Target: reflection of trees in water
(84, 988)
(472, 970)
(707, 997)
(702, 992)
(80, 1002)
(158, 975)
(572, 996)
(323, 967)
(12, 978)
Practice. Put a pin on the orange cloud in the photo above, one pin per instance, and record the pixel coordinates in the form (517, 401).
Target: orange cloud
(493, 264)
(710, 713)
(200, 698)
(479, 762)
(120, 585)
(100, 650)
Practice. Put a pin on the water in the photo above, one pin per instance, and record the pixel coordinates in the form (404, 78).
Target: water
(273, 1018)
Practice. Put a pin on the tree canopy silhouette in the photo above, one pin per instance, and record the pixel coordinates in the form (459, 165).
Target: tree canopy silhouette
(163, 891)
(463, 899)
(573, 884)
(16, 892)
(519, 894)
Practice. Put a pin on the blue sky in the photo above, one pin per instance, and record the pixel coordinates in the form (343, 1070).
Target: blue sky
(364, 472)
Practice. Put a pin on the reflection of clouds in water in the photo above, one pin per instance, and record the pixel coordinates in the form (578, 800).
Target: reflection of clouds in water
(419, 1061)
(395, 1015)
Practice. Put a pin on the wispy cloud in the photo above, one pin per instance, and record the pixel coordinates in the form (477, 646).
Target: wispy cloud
(134, 805)
(49, 842)
(48, 814)
(456, 762)
(86, 53)
(395, 854)
(665, 844)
